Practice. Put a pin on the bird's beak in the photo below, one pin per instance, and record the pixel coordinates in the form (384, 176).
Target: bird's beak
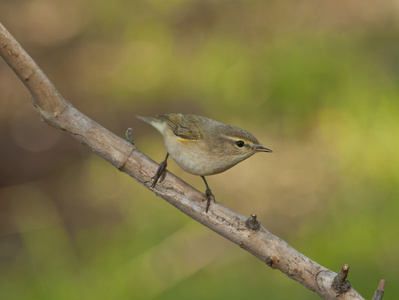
(260, 148)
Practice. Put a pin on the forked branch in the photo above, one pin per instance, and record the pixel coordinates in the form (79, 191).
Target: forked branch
(248, 234)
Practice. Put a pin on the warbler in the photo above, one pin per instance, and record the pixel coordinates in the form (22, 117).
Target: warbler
(202, 146)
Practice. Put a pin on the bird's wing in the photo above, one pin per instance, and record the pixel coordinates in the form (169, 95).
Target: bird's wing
(183, 126)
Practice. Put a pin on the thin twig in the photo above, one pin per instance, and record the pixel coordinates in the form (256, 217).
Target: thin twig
(340, 284)
(379, 292)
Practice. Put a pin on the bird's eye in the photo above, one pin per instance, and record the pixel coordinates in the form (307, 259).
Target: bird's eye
(240, 144)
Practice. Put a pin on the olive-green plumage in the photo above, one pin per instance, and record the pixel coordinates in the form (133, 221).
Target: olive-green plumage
(202, 146)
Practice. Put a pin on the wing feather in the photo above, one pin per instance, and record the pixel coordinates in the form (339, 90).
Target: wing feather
(184, 126)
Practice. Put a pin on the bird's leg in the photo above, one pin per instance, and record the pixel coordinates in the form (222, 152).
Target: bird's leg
(208, 195)
(160, 174)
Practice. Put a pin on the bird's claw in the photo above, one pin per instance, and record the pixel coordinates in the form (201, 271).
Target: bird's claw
(160, 173)
(208, 197)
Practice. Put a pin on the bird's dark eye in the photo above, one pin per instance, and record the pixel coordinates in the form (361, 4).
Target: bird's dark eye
(240, 144)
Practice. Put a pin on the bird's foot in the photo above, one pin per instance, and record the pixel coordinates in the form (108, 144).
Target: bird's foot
(208, 197)
(160, 173)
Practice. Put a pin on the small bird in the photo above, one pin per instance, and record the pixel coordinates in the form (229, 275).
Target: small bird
(202, 146)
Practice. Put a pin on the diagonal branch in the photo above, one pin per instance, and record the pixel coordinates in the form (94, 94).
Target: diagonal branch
(61, 114)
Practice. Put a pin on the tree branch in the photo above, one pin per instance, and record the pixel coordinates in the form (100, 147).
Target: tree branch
(249, 235)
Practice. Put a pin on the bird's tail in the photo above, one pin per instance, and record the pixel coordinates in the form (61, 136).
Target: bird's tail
(157, 123)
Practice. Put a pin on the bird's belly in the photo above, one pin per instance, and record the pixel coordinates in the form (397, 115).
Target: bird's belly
(199, 165)
(192, 159)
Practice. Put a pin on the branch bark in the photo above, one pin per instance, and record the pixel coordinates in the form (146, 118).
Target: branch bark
(61, 114)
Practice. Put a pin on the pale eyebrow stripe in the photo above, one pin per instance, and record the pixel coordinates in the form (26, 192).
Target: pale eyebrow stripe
(234, 138)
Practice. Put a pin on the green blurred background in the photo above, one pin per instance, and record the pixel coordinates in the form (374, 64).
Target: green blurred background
(315, 81)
